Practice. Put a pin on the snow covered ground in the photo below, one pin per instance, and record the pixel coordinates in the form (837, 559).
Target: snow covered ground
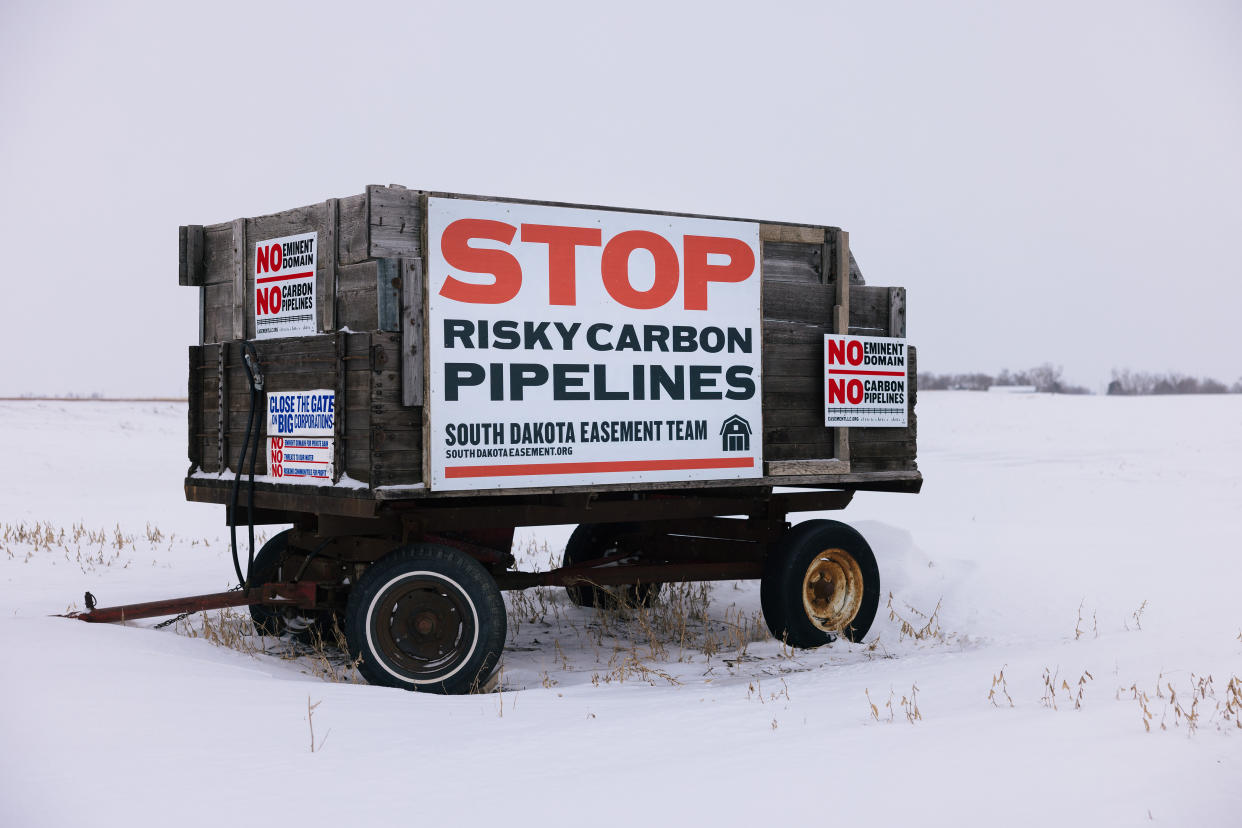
(1086, 546)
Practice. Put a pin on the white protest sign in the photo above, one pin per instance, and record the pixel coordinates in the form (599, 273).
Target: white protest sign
(864, 382)
(573, 346)
(300, 425)
(284, 286)
(300, 459)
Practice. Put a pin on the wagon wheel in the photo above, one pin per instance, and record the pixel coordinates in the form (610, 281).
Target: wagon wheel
(304, 625)
(820, 581)
(426, 617)
(599, 540)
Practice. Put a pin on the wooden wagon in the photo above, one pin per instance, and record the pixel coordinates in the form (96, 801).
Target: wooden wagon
(398, 375)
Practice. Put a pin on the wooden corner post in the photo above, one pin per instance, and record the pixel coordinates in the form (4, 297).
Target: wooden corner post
(841, 325)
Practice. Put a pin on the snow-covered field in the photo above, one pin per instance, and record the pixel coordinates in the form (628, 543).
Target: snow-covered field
(1086, 546)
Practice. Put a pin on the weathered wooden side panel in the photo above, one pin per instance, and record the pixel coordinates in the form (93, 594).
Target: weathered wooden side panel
(396, 222)
(370, 282)
(796, 316)
(356, 307)
(227, 270)
(293, 364)
(396, 429)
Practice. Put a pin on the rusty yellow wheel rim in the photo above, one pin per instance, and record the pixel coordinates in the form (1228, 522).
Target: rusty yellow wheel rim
(832, 590)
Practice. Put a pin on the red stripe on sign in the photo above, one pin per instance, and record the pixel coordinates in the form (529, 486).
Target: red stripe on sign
(284, 278)
(867, 373)
(297, 462)
(602, 466)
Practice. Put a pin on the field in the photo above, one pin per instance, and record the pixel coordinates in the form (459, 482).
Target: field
(1062, 646)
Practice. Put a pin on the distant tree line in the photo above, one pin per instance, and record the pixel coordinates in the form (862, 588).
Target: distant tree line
(1133, 383)
(1047, 378)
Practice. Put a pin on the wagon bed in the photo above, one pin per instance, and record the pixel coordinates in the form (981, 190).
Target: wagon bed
(326, 358)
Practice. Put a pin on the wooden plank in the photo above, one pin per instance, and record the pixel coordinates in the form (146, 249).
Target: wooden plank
(869, 466)
(355, 297)
(239, 279)
(221, 405)
(841, 322)
(412, 304)
(900, 449)
(396, 222)
(818, 466)
(353, 233)
(338, 422)
(326, 272)
(425, 408)
(856, 277)
(793, 367)
(218, 254)
(194, 404)
(798, 451)
(897, 312)
(787, 434)
(610, 208)
(388, 296)
(800, 234)
(190, 255)
(792, 262)
(814, 303)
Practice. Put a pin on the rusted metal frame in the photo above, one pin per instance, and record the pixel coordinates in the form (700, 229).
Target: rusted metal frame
(424, 516)
(386, 526)
(260, 517)
(636, 573)
(482, 554)
(743, 529)
(352, 548)
(301, 594)
(675, 549)
(812, 501)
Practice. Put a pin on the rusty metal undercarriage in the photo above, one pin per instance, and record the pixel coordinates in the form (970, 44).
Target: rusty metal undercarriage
(680, 538)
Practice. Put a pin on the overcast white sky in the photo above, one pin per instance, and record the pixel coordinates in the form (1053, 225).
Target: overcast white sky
(1052, 181)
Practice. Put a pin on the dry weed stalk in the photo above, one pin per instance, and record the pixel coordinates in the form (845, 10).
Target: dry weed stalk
(888, 705)
(875, 711)
(1049, 699)
(1081, 687)
(1095, 623)
(310, 721)
(103, 547)
(1137, 615)
(911, 705)
(1203, 705)
(999, 683)
(925, 627)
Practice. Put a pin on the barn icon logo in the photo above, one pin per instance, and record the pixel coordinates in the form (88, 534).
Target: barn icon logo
(735, 434)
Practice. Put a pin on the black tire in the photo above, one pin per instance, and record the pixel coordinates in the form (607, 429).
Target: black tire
(304, 625)
(820, 581)
(426, 617)
(599, 540)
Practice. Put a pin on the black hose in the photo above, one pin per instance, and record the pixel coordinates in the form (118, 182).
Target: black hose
(250, 358)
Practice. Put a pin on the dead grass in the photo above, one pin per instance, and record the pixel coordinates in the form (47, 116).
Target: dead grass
(917, 625)
(1194, 705)
(909, 705)
(233, 629)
